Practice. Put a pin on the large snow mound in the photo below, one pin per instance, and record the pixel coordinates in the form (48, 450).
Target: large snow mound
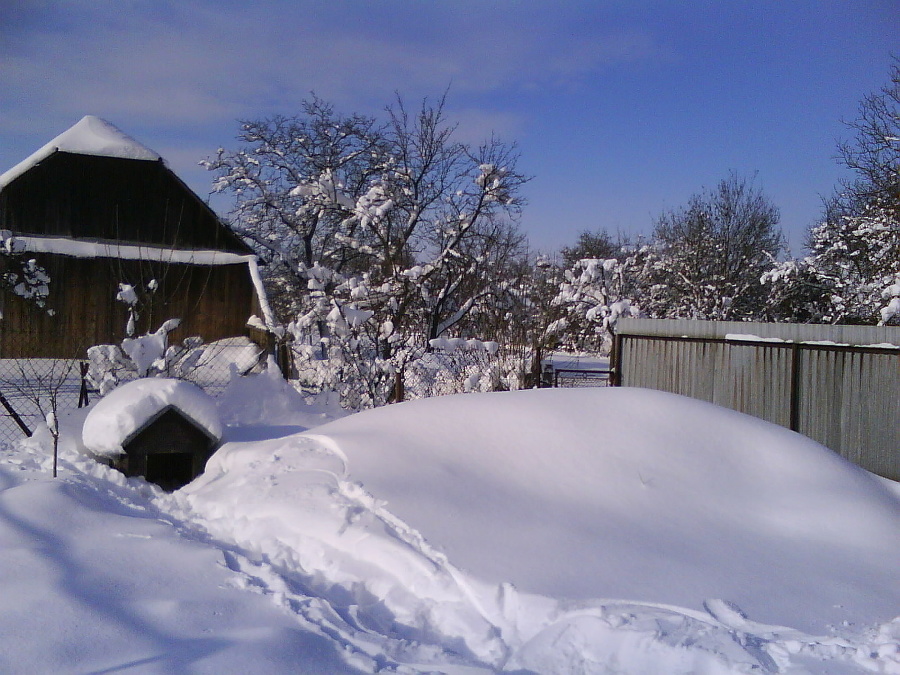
(129, 407)
(559, 531)
(637, 494)
(89, 136)
(553, 532)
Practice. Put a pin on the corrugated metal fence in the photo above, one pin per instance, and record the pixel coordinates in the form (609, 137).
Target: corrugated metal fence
(839, 385)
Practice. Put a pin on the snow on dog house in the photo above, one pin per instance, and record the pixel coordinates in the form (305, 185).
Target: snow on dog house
(159, 428)
(97, 209)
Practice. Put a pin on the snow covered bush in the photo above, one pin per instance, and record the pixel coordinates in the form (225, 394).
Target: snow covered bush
(148, 355)
(855, 262)
(594, 293)
(455, 365)
(892, 295)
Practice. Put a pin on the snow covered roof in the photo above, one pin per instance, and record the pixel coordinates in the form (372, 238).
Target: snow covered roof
(78, 248)
(127, 409)
(89, 136)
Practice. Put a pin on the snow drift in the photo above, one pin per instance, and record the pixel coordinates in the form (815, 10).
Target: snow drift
(633, 494)
(552, 531)
(502, 527)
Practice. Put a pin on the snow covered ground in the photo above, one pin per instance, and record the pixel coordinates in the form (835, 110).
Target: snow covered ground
(548, 531)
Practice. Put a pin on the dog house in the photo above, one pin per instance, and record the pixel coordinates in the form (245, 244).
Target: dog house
(162, 429)
(169, 450)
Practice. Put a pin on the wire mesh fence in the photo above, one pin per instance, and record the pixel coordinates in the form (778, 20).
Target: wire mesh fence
(31, 388)
(443, 372)
(223, 360)
(578, 370)
(580, 378)
(364, 381)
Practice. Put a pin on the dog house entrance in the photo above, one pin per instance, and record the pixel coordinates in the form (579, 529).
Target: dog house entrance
(170, 470)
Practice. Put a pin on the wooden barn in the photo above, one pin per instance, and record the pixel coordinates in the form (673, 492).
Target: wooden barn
(97, 209)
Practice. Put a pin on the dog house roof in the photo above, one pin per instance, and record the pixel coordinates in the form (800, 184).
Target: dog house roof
(131, 407)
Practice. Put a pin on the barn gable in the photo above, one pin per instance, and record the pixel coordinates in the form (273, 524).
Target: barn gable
(94, 182)
(89, 136)
(97, 209)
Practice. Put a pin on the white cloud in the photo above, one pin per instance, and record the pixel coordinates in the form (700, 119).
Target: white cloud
(179, 74)
(241, 60)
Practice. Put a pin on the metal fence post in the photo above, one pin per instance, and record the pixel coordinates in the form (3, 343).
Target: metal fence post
(615, 360)
(795, 387)
(15, 416)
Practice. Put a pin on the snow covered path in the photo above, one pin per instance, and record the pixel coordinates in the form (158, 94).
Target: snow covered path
(286, 557)
(95, 578)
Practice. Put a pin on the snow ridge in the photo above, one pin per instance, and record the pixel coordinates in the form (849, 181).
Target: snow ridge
(606, 636)
(426, 613)
(89, 136)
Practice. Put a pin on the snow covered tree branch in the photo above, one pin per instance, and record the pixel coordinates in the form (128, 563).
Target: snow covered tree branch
(397, 222)
(711, 254)
(20, 274)
(854, 263)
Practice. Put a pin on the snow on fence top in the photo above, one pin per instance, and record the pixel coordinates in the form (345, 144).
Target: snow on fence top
(127, 409)
(472, 345)
(858, 336)
(89, 136)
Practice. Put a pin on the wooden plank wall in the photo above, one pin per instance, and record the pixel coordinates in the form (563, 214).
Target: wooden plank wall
(213, 302)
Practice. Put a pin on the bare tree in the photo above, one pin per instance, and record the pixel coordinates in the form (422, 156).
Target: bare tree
(42, 382)
(874, 151)
(711, 254)
(597, 244)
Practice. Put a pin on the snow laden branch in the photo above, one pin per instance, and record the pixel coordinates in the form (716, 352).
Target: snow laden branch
(148, 355)
(593, 294)
(20, 274)
(710, 255)
(295, 182)
(852, 273)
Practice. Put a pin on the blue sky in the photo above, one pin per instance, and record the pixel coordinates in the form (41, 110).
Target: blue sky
(620, 109)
